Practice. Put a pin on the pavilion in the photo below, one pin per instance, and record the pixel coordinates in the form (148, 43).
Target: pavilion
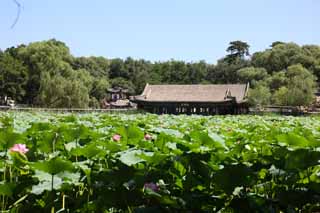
(204, 99)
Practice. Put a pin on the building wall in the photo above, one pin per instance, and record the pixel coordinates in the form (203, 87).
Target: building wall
(195, 108)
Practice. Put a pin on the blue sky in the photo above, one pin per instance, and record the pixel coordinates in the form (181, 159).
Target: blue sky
(189, 30)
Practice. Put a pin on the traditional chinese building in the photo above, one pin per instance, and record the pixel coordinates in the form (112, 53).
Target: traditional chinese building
(117, 93)
(116, 98)
(194, 99)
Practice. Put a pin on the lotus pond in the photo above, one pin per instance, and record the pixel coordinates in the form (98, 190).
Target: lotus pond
(143, 163)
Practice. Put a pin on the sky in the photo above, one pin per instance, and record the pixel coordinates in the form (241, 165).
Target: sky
(189, 30)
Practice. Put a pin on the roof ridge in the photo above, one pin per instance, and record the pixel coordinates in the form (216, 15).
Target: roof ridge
(194, 84)
(194, 92)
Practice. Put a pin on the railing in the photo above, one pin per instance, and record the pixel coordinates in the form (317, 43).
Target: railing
(283, 110)
(61, 110)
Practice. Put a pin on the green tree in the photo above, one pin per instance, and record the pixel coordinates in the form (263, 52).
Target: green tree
(224, 72)
(237, 51)
(283, 55)
(13, 77)
(98, 67)
(50, 56)
(99, 89)
(117, 69)
(277, 80)
(280, 97)
(259, 96)
(252, 75)
(57, 91)
(196, 73)
(301, 85)
(276, 43)
(123, 83)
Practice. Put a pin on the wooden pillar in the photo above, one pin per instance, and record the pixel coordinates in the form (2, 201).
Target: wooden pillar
(188, 110)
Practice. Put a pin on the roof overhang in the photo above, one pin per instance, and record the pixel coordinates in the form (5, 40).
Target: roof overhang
(183, 102)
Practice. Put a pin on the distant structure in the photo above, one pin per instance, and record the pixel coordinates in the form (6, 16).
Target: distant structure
(117, 93)
(7, 101)
(194, 99)
(117, 97)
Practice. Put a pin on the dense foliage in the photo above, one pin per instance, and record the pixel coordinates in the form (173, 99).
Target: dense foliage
(139, 163)
(46, 74)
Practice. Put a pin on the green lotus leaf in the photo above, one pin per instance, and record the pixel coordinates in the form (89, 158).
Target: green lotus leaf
(54, 166)
(6, 189)
(132, 156)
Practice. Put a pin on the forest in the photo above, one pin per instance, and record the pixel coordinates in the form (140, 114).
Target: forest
(46, 74)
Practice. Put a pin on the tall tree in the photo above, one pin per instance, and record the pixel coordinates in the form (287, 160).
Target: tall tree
(260, 95)
(13, 77)
(252, 75)
(301, 85)
(276, 43)
(300, 88)
(238, 50)
(58, 91)
(50, 56)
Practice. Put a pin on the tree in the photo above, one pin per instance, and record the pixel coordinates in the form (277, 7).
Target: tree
(238, 50)
(277, 80)
(276, 43)
(281, 56)
(280, 97)
(301, 85)
(252, 75)
(196, 73)
(225, 72)
(13, 77)
(138, 72)
(100, 87)
(57, 91)
(117, 69)
(123, 83)
(260, 95)
(98, 67)
(50, 56)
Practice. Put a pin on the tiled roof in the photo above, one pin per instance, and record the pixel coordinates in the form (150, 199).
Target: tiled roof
(193, 93)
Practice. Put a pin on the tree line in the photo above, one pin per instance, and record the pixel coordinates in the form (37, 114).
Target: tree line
(45, 74)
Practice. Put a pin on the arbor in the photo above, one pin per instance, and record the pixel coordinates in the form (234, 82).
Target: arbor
(277, 80)
(300, 87)
(224, 72)
(13, 77)
(50, 56)
(252, 75)
(123, 83)
(260, 95)
(52, 80)
(138, 73)
(281, 56)
(99, 89)
(276, 43)
(57, 91)
(117, 69)
(238, 50)
(280, 97)
(196, 72)
(98, 67)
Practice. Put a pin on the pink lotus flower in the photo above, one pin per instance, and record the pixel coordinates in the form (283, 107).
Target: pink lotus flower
(147, 137)
(21, 148)
(116, 137)
(153, 186)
